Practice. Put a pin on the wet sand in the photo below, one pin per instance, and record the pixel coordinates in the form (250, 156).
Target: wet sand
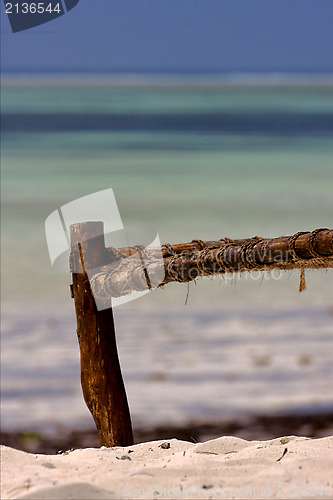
(260, 427)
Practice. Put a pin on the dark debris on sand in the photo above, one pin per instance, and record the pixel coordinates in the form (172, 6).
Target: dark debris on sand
(250, 428)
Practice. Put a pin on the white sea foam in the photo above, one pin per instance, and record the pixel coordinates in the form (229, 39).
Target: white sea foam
(177, 366)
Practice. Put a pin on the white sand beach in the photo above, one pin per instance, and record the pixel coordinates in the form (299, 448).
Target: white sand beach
(227, 467)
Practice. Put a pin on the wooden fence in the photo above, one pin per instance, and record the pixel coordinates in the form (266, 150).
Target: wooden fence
(121, 271)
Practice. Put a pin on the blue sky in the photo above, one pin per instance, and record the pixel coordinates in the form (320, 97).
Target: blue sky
(177, 35)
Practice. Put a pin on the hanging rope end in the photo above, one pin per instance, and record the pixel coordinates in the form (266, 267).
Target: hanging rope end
(302, 283)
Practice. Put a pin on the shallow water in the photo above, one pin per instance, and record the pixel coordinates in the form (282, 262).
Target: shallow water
(191, 163)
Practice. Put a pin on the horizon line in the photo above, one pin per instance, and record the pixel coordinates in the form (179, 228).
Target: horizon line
(168, 78)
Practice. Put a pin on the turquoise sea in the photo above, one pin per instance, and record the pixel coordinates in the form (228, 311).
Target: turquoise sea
(191, 160)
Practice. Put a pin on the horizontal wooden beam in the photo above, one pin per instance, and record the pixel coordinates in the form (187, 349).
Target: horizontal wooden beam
(187, 261)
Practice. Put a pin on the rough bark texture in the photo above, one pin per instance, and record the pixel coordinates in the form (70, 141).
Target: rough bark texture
(185, 262)
(101, 377)
(322, 244)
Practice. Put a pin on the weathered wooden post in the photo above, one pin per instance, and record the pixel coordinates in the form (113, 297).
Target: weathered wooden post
(101, 378)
